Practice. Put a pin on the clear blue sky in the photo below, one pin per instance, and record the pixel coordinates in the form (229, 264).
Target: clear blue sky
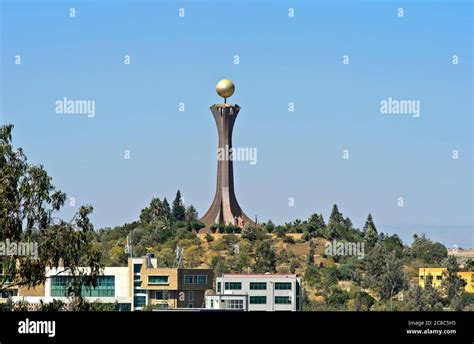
(282, 60)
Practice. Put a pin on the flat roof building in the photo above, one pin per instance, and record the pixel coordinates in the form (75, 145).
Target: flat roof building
(256, 292)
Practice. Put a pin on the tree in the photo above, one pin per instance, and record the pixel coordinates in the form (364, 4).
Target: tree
(153, 212)
(191, 214)
(385, 273)
(336, 297)
(393, 279)
(337, 224)
(433, 297)
(469, 265)
(166, 210)
(370, 231)
(424, 249)
(265, 258)
(317, 221)
(249, 232)
(452, 283)
(28, 205)
(178, 211)
(363, 301)
(393, 243)
(416, 299)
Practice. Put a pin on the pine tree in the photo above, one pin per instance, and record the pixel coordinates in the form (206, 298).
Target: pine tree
(416, 300)
(452, 283)
(336, 224)
(165, 208)
(336, 217)
(179, 211)
(370, 231)
(191, 214)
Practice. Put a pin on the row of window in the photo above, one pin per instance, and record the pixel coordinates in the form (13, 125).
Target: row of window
(262, 300)
(188, 279)
(253, 286)
(105, 286)
(195, 279)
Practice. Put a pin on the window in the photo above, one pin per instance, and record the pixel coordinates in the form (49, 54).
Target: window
(157, 279)
(190, 296)
(233, 285)
(139, 301)
(282, 286)
(235, 304)
(137, 268)
(258, 300)
(258, 286)
(195, 279)
(190, 305)
(5, 294)
(421, 278)
(439, 278)
(137, 283)
(161, 295)
(218, 287)
(105, 287)
(282, 300)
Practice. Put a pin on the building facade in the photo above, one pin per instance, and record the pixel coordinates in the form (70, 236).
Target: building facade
(437, 275)
(167, 288)
(253, 292)
(131, 287)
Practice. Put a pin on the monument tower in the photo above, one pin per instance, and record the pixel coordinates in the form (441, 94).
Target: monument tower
(224, 208)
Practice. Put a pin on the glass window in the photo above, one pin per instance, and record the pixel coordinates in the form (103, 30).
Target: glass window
(439, 278)
(258, 286)
(282, 300)
(157, 279)
(258, 300)
(191, 296)
(137, 268)
(282, 286)
(139, 301)
(235, 304)
(218, 287)
(195, 279)
(233, 285)
(105, 286)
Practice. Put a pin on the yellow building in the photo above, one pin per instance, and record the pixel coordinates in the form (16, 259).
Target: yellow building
(437, 276)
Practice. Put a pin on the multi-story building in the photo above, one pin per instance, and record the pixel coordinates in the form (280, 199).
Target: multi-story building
(250, 292)
(167, 288)
(437, 275)
(112, 287)
(131, 287)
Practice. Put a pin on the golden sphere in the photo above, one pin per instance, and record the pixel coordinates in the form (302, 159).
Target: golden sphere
(225, 88)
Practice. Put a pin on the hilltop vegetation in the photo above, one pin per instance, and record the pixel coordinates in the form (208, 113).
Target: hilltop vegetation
(386, 278)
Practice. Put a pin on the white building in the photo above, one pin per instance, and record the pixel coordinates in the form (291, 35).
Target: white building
(112, 287)
(250, 292)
